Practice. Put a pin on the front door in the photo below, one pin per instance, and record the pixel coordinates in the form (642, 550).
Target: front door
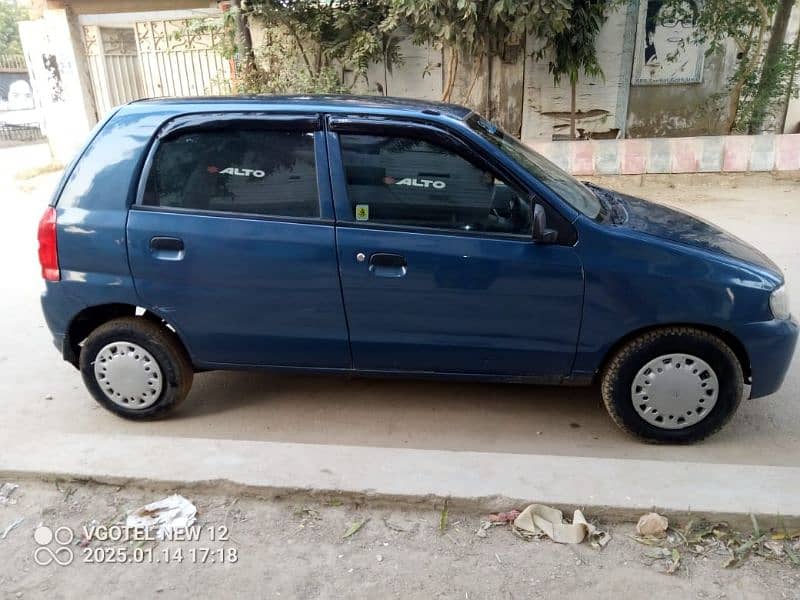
(232, 242)
(439, 271)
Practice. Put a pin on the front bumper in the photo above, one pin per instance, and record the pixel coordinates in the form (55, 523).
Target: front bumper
(770, 346)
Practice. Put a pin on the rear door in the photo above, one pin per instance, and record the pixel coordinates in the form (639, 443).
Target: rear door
(439, 271)
(232, 241)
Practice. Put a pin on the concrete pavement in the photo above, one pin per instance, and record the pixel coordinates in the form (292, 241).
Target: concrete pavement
(483, 480)
(479, 437)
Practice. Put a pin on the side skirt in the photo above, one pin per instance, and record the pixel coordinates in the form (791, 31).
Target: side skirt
(576, 380)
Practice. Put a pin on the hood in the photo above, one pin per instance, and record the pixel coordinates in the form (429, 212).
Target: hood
(677, 226)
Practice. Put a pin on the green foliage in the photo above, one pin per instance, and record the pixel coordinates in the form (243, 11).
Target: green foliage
(763, 92)
(746, 23)
(280, 70)
(324, 46)
(10, 14)
(329, 37)
(572, 50)
(476, 28)
(308, 46)
(720, 20)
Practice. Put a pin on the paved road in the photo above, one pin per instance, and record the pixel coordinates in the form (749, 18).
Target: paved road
(42, 394)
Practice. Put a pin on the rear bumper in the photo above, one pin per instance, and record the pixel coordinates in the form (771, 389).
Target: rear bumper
(770, 346)
(58, 310)
(56, 322)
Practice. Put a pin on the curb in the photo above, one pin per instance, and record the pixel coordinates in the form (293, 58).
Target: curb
(703, 154)
(617, 488)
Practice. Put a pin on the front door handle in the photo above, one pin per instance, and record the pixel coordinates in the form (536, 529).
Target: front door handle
(167, 248)
(385, 264)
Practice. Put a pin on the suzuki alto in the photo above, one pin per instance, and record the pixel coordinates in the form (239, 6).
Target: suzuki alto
(391, 237)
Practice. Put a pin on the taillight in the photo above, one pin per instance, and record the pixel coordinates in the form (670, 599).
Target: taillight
(48, 248)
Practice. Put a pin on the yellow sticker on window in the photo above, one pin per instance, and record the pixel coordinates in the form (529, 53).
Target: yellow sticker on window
(362, 212)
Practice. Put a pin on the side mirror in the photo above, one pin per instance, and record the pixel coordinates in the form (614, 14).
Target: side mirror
(541, 234)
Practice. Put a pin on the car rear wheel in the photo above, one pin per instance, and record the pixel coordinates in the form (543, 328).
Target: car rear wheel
(677, 384)
(135, 368)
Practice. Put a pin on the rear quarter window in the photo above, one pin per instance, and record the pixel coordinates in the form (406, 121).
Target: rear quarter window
(236, 170)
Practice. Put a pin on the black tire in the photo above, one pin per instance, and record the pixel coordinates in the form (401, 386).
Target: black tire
(619, 375)
(163, 346)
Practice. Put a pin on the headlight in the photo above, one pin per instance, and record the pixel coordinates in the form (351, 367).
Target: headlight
(779, 303)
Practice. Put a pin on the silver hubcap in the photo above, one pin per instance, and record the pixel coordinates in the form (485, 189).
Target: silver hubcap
(128, 375)
(675, 391)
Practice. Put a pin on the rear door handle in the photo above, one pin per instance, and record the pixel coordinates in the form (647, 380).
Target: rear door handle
(385, 264)
(167, 248)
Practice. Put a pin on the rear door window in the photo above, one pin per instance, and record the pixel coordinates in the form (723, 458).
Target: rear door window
(407, 181)
(236, 170)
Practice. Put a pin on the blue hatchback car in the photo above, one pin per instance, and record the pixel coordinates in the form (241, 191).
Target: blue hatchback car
(392, 237)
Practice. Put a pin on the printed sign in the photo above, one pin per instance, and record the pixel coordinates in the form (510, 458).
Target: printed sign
(666, 51)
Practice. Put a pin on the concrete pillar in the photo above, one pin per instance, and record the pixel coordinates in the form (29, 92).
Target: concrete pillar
(53, 49)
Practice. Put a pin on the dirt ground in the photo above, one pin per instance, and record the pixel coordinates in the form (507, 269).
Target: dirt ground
(41, 392)
(294, 548)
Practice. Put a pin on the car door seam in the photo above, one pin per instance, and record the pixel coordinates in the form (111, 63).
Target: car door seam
(580, 316)
(336, 241)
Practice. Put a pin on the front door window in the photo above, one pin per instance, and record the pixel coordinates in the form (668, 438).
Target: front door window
(405, 181)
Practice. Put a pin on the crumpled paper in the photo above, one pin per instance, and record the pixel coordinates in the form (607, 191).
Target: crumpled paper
(652, 525)
(163, 517)
(539, 519)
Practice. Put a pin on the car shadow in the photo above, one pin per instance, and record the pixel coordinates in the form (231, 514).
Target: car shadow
(396, 412)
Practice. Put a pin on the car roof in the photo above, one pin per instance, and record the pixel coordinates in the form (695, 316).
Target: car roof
(329, 103)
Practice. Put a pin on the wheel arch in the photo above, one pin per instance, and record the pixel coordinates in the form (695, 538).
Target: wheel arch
(725, 336)
(91, 317)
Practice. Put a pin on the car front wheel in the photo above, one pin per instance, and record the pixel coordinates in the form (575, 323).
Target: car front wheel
(677, 384)
(135, 368)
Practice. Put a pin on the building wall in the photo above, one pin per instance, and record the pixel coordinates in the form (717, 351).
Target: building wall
(601, 101)
(682, 109)
(688, 109)
(60, 79)
(513, 89)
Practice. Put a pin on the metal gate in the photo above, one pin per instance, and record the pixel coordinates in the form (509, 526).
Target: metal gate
(179, 58)
(153, 59)
(113, 66)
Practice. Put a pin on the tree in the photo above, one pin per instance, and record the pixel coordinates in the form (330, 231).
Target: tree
(573, 50)
(746, 23)
(475, 28)
(10, 14)
(243, 42)
(772, 72)
(308, 45)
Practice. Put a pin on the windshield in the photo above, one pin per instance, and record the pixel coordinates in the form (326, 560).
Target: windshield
(569, 189)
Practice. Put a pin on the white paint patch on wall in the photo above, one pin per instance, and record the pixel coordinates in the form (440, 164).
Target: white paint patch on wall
(597, 98)
(418, 76)
(57, 67)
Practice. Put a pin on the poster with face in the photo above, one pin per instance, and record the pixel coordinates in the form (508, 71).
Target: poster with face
(665, 49)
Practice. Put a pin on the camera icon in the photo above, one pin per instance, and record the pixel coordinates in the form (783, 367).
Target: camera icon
(62, 555)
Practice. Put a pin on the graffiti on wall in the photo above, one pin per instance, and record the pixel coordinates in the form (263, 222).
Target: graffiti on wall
(666, 51)
(54, 83)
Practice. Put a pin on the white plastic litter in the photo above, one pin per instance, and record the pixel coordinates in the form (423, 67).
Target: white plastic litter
(13, 525)
(163, 517)
(5, 493)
